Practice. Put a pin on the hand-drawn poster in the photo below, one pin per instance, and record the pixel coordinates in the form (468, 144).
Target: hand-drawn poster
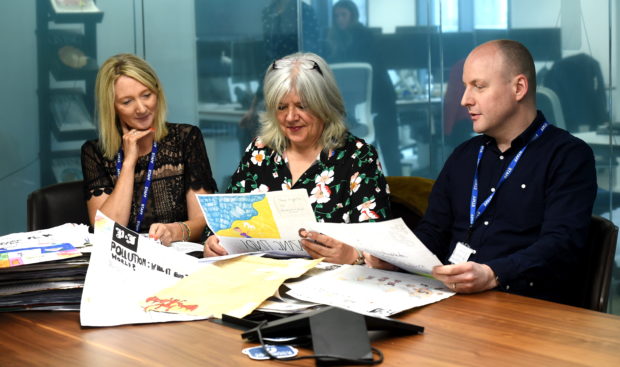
(252, 222)
(243, 283)
(125, 268)
(369, 291)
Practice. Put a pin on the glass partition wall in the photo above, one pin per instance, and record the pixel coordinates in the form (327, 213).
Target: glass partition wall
(211, 56)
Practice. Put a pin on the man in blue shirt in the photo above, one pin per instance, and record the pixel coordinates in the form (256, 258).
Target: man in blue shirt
(511, 207)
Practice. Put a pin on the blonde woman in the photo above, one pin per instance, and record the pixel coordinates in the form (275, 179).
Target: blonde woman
(143, 172)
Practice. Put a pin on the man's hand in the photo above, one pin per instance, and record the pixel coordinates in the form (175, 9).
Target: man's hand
(469, 277)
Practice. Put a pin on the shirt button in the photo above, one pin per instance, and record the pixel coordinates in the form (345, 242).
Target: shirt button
(486, 222)
(507, 287)
(492, 189)
(531, 284)
(501, 157)
(523, 186)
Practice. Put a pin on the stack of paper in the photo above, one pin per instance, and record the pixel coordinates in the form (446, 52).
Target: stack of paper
(43, 270)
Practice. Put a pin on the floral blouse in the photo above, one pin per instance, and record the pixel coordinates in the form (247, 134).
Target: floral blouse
(345, 185)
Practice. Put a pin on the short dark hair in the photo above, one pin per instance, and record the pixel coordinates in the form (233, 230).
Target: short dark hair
(519, 59)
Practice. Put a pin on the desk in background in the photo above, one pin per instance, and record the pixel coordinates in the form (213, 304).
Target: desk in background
(605, 149)
(487, 329)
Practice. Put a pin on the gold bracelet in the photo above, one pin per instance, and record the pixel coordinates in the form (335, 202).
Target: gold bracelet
(185, 230)
(360, 258)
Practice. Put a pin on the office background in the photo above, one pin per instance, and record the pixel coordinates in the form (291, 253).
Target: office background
(210, 55)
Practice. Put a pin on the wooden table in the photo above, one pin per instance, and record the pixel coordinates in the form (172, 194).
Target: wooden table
(488, 329)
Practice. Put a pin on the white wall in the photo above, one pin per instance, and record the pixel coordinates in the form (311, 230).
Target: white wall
(593, 32)
(170, 46)
(19, 133)
(391, 13)
(615, 110)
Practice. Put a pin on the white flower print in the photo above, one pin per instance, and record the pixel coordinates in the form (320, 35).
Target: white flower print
(320, 194)
(258, 156)
(325, 178)
(346, 217)
(358, 144)
(366, 211)
(261, 188)
(286, 186)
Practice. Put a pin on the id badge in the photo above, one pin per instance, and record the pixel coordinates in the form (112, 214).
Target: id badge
(461, 253)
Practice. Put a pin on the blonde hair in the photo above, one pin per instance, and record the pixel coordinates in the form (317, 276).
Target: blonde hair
(132, 66)
(310, 76)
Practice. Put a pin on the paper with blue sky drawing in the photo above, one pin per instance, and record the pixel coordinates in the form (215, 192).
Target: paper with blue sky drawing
(252, 222)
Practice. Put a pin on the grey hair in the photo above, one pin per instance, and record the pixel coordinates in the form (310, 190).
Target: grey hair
(318, 91)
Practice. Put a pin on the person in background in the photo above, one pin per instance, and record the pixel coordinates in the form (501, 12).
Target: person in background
(511, 207)
(144, 172)
(303, 143)
(350, 41)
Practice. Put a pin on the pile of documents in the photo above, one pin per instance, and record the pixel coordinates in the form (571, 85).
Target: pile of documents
(45, 269)
(132, 279)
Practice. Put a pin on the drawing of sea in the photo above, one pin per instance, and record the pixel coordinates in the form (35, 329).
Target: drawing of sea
(242, 216)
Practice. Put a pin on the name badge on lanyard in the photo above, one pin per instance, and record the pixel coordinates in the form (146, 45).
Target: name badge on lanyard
(147, 182)
(461, 253)
(462, 250)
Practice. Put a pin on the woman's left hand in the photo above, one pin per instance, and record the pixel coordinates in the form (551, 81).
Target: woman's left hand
(320, 245)
(164, 232)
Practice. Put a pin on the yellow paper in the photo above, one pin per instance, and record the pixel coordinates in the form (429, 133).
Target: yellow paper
(234, 287)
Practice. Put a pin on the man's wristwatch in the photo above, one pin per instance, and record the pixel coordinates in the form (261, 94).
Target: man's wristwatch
(360, 258)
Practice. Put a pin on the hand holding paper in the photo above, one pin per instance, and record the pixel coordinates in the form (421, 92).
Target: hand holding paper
(391, 241)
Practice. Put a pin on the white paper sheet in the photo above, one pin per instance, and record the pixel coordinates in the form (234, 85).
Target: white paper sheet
(369, 291)
(390, 240)
(124, 269)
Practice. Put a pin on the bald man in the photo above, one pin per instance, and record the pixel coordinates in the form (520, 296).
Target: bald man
(511, 207)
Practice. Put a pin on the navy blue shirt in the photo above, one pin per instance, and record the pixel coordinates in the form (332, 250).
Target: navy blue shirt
(534, 230)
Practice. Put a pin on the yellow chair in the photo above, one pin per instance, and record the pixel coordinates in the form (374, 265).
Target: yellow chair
(409, 197)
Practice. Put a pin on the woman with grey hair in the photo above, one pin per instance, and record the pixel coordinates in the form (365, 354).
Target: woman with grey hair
(303, 143)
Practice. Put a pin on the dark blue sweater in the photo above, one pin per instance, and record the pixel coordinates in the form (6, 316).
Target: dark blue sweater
(535, 229)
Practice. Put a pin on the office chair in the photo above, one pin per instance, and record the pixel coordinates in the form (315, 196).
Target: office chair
(598, 264)
(355, 82)
(549, 103)
(57, 204)
(409, 197)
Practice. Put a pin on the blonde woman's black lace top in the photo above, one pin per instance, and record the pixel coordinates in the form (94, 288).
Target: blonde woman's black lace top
(181, 164)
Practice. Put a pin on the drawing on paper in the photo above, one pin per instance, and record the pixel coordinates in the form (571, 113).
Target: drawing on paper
(247, 216)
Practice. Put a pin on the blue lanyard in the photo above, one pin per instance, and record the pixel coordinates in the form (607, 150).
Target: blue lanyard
(147, 182)
(475, 214)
